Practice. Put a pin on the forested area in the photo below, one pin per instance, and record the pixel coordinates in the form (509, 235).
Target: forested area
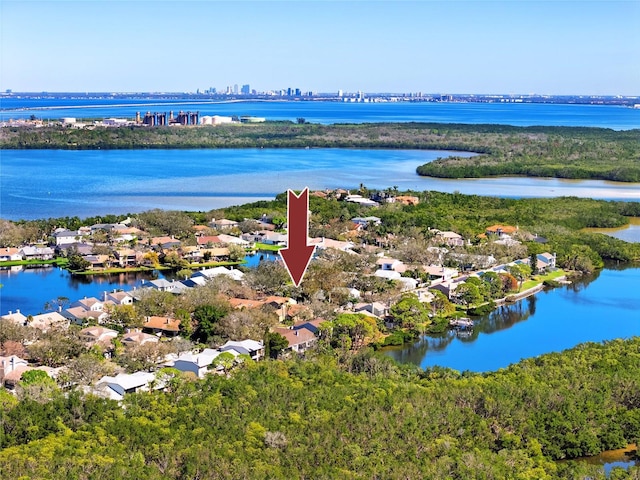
(354, 416)
(564, 152)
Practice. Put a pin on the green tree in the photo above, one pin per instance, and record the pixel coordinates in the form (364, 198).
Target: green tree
(274, 344)
(207, 318)
(409, 311)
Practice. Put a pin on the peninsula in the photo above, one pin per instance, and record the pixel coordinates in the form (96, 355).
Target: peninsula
(562, 152)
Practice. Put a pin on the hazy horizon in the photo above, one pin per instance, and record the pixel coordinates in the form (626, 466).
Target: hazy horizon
(482, 47)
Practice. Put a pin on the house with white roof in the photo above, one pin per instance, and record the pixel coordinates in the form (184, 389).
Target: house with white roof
(245, 347)
(196, 363)
(127, 383)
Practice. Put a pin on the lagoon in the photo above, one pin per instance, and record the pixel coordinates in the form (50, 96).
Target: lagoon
(54, 183)
(600, 307)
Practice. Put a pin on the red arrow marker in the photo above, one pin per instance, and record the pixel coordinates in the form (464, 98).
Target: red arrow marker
(298, 254)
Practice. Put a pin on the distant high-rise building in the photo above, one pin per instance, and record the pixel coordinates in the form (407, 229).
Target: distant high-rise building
(289, 92)
(246, 90)
(340, 93)
(236, 90)
(298, 92)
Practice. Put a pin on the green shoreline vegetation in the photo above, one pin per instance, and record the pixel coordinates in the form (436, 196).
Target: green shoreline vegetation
(562, 152)
(356, 417)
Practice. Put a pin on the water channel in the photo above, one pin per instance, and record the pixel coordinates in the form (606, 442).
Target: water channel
(598, 307)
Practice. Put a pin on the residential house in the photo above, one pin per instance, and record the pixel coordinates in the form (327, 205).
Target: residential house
(37, 253)
(392, 264)
(94, 335)
(117, 297)
(164, 242)
(47, 321)
(128, 383)
(80, 315)
(311, 325)
(267, 237)
(366, 221)
(324, 243)
(500, 230)
(89, 303)
(546, 261)
(245, 347)
(138, 338)
(160, 284)
(208, 240)
(15, 317)
(375, 308)
(127, 257)
(97, 261)
(65, 237)
(231, 240)
(451, 239)
(11, 364)
(360, 200)
(198, 363)
(10, 254)
(167, 326)
(223, 224)
(81, 248)
(440, 274)
(407, 200)
(215, 271)
(300, 339)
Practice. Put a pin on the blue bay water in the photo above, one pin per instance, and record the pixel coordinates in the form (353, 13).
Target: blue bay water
(519, 114)
(56, 183)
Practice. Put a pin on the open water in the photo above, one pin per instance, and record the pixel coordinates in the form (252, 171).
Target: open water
(57, 183)
(519, 114)
(601, 307)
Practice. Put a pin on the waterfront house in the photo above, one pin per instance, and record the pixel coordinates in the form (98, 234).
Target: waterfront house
(546, 261)
(37, 253)
(127, 257)
(10, 254)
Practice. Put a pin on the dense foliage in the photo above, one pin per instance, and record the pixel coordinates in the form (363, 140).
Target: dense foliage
(565, 152)
(312, 419)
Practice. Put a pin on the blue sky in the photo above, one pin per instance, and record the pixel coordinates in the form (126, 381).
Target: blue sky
(545, 47)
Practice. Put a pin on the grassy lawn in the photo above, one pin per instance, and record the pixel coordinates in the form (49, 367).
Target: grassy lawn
(267, 248)
(538, 279)
(60, 262)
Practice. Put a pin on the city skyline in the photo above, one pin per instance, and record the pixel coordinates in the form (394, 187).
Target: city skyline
(544, 48)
